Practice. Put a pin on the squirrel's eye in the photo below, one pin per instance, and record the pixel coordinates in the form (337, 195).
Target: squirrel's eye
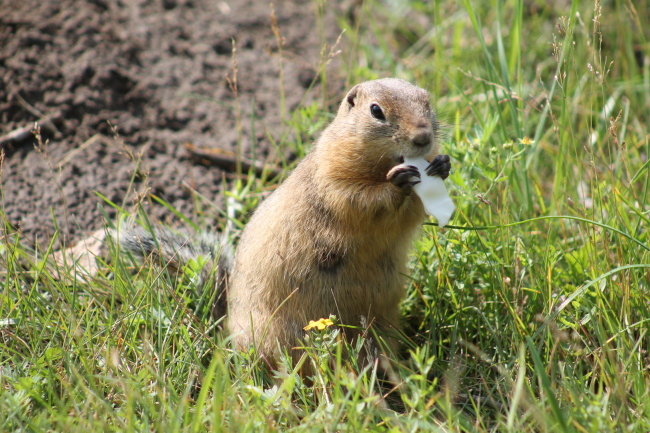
(376, 112)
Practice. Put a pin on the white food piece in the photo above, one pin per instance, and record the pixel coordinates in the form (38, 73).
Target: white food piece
(432, 192)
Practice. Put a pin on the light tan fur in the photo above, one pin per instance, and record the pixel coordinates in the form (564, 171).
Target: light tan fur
(334, 237)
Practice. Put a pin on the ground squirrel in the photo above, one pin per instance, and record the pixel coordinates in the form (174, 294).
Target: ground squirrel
(334, 237)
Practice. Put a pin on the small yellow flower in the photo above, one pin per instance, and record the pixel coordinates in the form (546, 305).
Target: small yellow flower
(319, 324)
(526, 141)
(507, 145)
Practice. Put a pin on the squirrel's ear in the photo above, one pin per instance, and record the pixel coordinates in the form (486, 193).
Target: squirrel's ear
(352, 96)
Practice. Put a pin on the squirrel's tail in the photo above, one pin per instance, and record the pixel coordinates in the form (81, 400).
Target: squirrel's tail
(176, 249)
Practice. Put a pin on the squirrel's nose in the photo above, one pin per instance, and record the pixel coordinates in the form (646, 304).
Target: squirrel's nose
(422, 138)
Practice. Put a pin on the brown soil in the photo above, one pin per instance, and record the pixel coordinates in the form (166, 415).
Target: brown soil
(157, 71)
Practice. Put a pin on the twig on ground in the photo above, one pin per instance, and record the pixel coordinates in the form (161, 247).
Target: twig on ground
(229, 162)
(24, 132)
(45, 121)
(68, 156)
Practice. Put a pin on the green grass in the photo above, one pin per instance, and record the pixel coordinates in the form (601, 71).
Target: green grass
(529, 314)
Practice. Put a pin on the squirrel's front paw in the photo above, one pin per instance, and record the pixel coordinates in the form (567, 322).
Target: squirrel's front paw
(440, 166)
(404, 176)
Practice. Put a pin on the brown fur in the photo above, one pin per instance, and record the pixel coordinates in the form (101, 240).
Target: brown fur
(334, 237)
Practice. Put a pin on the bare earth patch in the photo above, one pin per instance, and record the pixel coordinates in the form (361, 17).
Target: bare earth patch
(154, 71)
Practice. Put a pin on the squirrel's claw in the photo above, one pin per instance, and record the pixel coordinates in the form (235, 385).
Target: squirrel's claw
(404, 176)
(440, 166)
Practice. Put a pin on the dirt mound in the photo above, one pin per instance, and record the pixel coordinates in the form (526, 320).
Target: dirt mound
(154, 71)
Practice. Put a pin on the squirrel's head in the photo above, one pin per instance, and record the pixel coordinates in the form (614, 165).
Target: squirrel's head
(391, 118)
